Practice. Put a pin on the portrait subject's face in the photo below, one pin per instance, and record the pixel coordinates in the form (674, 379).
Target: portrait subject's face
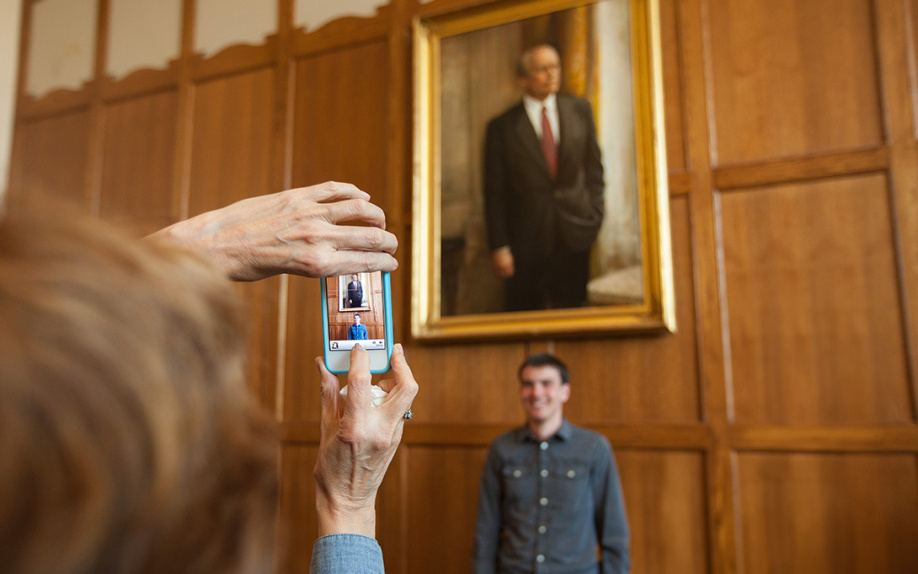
(543, 76)
(542, 393)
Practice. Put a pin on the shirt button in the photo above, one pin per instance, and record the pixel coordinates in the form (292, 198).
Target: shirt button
(517, 473)
(544, 446)
(543, 501)
(543, 529)
(544, 472)
(571, 474)
(540, 558)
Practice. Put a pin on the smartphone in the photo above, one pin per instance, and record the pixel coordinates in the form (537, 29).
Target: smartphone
(357, 309)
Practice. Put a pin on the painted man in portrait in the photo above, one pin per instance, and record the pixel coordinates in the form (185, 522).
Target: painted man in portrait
(543, 189)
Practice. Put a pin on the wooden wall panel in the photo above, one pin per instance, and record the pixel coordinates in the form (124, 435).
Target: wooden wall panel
(665, 500)
(231, 159)
(642, 379)
(300, 391)
(442, 507)
(51, 156)
(467, 384)
(828, 514)
(297, 527)
(341, 112)
(340, 133)
(813, 304)
(138, 160)
(792, 78)
(672, 87)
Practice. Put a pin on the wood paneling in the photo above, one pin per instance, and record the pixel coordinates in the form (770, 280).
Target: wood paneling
(787, 81)
(665, 499)
(51, 156)
(813, 304)
(442, 507)
(465, 384)
(232, 160)
(672, 87)
(297, 527)
(340, 118)
(642, 379)
(828, 514)
(774, 432)
(138, 159)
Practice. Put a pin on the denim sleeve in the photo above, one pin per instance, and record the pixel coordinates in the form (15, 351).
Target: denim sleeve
(611, 519)
(346, 554)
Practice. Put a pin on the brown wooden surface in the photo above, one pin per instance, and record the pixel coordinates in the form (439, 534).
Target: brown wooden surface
(137, 159)
(845, 514)
(812, 297)
(787, 83)
(230, 159)
(51, 156)
(774, 432)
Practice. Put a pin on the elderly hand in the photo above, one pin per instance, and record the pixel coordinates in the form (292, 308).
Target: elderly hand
(358, 442)
(295, 231)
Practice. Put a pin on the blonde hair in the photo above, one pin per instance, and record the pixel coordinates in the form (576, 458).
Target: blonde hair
(128, 440)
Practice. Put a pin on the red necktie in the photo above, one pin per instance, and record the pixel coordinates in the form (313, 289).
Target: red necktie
(548, 144)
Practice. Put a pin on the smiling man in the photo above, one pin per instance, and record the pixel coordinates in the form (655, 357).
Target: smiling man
(550, 491)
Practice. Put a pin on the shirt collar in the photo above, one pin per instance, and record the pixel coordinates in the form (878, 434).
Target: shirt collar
(534, 105)
(564, 433)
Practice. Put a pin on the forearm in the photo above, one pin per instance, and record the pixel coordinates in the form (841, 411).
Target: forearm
(340, 518)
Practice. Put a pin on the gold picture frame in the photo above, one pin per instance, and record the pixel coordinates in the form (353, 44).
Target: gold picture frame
(464, 74)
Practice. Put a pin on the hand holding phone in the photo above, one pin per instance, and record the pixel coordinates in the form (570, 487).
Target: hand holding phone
(357, 310)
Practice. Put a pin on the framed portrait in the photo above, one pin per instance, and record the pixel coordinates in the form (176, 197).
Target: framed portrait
(540, 181)
(354, 292)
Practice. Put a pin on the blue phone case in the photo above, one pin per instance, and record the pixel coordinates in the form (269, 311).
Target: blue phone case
(387, 310)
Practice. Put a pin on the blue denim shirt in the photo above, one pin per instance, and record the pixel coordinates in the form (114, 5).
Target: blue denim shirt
(545, 506)
(346, 554)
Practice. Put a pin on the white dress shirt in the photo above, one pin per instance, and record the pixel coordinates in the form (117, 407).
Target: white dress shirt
(534, 111)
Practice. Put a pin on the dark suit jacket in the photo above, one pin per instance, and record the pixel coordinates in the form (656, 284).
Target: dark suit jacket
(524, 208)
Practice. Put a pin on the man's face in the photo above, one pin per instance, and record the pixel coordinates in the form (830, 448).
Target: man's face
(542, 392)
(543, 76)
(356, 319)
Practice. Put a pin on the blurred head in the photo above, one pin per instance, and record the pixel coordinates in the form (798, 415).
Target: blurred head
(544, 388)
(356, 318)
(539, 71)
(354, 277)
(128, 440)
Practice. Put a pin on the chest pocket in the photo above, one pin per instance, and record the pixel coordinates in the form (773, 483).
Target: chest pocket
(519, 485)
(569, 484)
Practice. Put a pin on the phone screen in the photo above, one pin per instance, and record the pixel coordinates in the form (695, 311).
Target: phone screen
(357, 311)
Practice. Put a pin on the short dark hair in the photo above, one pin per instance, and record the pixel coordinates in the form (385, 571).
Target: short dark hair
(356, 314)
(545, 360)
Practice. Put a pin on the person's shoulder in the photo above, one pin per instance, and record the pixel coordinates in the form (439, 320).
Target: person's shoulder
(507, 439)
(589, 436)
(508, 115)
(574, 102)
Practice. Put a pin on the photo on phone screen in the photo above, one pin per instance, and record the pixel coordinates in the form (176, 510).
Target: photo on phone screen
(357, 310)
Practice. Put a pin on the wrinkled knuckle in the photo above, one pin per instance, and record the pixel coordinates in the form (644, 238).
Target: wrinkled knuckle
(315, 265)
(376, 239)
(382, 443)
